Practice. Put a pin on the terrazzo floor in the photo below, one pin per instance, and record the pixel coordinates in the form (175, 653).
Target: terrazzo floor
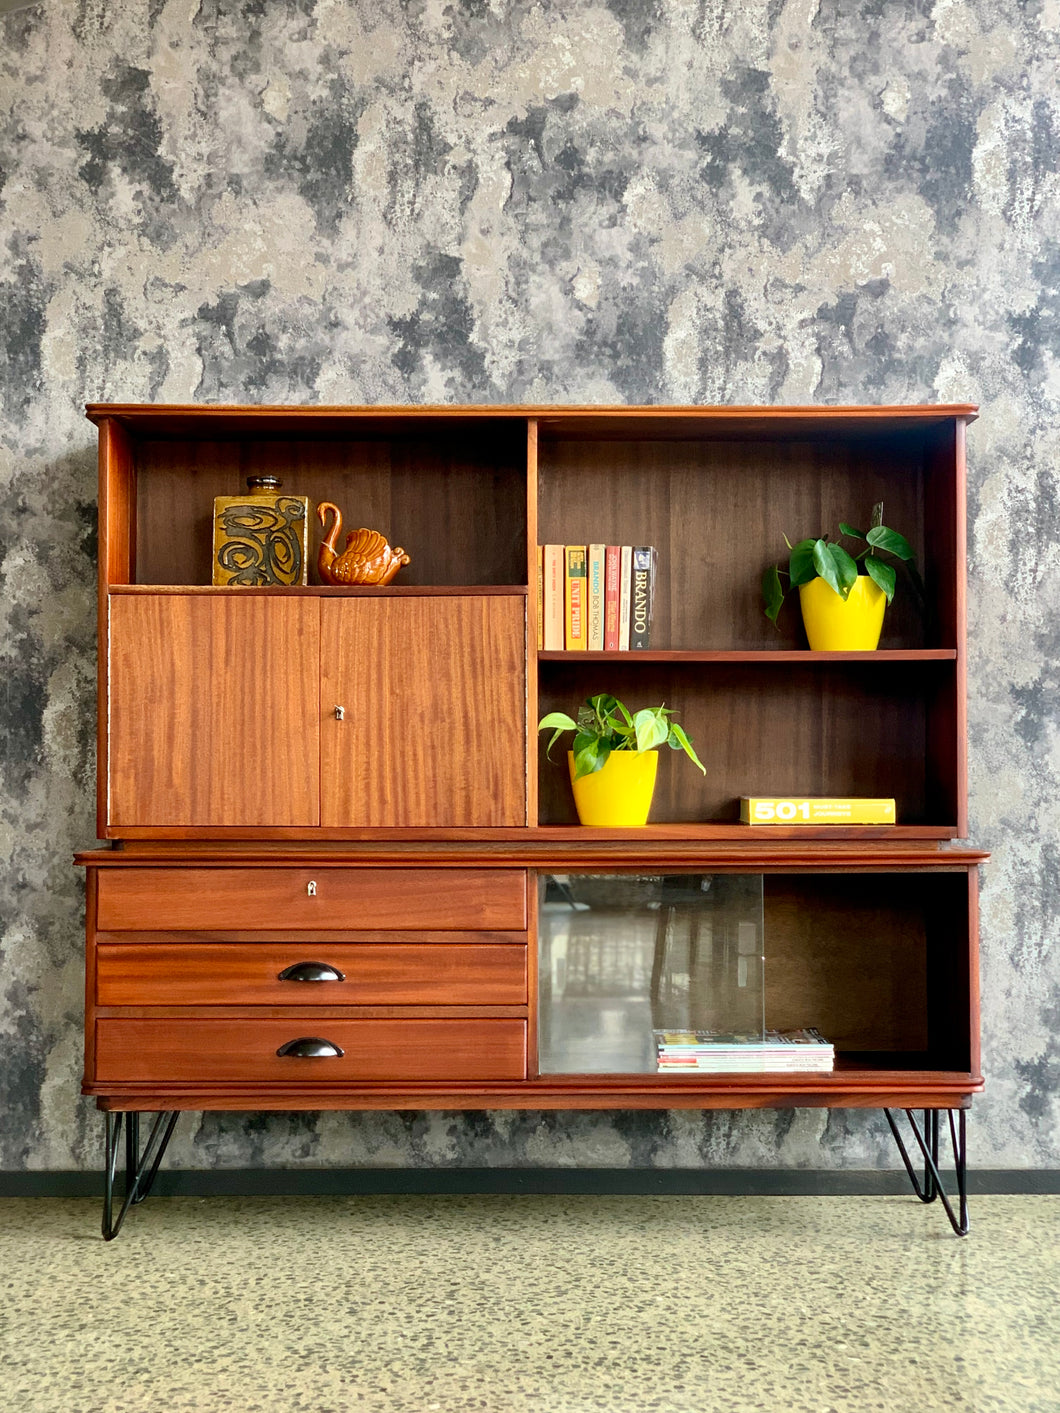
(538, 1303)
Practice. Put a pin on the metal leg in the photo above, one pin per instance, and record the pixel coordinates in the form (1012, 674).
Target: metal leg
(140, 1167)
(928, 1142)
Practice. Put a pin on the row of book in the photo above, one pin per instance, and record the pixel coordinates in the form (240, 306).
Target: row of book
(802, 1051)
(595, 598)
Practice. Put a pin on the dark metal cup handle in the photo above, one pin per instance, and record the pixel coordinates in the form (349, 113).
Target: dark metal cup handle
(311, 971)
(309, 1047)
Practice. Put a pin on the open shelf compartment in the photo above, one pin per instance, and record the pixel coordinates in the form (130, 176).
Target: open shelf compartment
(880, 964)
(452, 492)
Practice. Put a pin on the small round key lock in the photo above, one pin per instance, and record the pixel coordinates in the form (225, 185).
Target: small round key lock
(340, 713)
(311, 888)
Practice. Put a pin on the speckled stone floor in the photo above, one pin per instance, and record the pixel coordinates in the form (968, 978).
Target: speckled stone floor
(543, 1304)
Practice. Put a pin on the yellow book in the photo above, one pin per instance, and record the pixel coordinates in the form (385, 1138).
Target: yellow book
(575, 598)
(555, 556)
(540, 597)
(761, 809)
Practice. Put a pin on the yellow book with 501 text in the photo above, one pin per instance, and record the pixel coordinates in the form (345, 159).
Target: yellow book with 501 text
(760, 809)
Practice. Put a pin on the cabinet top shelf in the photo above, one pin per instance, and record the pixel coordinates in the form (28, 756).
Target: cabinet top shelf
(324, 591)
(766, 655)
(161, 420)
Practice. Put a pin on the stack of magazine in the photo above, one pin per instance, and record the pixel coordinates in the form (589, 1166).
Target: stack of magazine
(714, 1052)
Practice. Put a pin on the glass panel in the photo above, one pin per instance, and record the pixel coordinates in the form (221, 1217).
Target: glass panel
(623, 955)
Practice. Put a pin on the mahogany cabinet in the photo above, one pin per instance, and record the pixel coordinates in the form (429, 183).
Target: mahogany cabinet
(250, 711)
(330, 820)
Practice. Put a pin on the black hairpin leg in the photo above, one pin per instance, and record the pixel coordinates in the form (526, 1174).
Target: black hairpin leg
(140, 1167)
(928, 1141)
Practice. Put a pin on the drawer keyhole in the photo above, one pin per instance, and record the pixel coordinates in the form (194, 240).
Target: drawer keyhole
(311, 888)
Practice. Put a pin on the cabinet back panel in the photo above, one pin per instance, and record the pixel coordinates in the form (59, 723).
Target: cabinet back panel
(842, 729)
(457, 506)
(849, 956)
(717, 511)
(877, 962)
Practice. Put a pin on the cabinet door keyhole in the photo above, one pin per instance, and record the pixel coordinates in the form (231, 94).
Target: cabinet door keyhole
(311, 888)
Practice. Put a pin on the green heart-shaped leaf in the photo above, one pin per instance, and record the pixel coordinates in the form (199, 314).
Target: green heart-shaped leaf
(678, 741)
(846, 569)
(772, 592)
(801, 565)
(890, 541)
(825, 565)
(651, 728)
(590, 754)
(881, 574)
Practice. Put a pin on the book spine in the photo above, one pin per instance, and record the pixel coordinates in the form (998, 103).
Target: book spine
(612, 582)
(575, 597)
(540, 597)
(641, 607)
(554, 607)
(594, 639)
(625, 595)
(757, 809)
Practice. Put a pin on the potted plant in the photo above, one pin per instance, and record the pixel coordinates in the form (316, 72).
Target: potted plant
(842, 607)
(613, 760)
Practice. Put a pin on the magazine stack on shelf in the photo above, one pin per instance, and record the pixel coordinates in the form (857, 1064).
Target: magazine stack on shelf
(711, 1051)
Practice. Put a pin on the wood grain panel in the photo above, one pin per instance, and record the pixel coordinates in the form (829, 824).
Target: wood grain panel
(945, 500)
(204, 899)
(534, 628)
(842, 730)
(130, 1051)
(213, 711)
(117, 545)
(91, 881)
(561, 847)
(434, 693)
(324, 936)
(233, 974)
(849, 956)
(718, 511)
(189, 419)
(857, 1088)
(416, 491)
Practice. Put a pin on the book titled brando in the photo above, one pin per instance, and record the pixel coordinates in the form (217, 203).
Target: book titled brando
(642, 596)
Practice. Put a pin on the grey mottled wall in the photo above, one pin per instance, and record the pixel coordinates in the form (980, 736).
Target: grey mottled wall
(356, 201)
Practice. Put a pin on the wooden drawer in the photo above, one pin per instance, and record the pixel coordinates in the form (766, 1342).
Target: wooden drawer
(206, 1051)
(216, 899)
(371, 974)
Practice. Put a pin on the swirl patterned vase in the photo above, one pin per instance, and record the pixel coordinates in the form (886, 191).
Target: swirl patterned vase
(261, 538)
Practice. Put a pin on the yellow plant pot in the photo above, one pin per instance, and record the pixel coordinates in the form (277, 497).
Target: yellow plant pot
(834, 625)
(618, 796)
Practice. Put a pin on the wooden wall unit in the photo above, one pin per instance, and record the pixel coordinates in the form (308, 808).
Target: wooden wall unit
(279, 872)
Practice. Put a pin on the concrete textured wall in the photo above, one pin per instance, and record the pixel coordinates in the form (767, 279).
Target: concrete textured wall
(636, 201)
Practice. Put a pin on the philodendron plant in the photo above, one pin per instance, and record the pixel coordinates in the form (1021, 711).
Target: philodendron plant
(827, 559)
(605, 725)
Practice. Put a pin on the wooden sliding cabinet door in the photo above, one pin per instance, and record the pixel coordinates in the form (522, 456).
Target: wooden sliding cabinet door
(214, 717)
(423, 711)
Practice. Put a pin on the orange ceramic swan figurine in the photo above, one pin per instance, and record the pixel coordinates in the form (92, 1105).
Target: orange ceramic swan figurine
(367, 558)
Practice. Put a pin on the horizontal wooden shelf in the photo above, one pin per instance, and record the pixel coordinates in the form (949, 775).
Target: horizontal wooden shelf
(567, 835)
(767, 656)
(560, 848)
(553, 421)
(325, 591)
(861, 1087)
